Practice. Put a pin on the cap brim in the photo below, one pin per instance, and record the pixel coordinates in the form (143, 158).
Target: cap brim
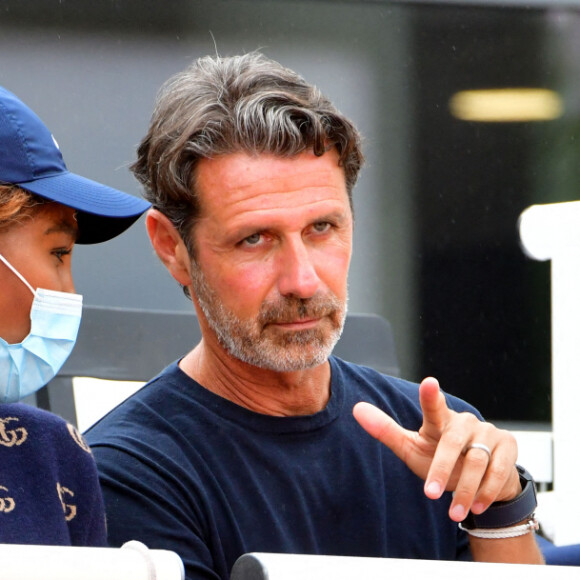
(104, 212)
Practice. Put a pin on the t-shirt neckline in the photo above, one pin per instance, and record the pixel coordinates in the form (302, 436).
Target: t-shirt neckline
(231, 411)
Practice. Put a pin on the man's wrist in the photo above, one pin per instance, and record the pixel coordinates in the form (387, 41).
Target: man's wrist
(504, 514)
(502, 533)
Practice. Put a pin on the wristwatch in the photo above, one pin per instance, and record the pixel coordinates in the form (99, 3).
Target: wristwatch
(503, 514)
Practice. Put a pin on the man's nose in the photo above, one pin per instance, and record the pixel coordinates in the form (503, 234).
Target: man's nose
(298, 276)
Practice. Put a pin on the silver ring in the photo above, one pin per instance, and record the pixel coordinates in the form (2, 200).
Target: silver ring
(480, 446)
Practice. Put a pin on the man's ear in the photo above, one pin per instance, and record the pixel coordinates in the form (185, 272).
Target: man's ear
(169, 246)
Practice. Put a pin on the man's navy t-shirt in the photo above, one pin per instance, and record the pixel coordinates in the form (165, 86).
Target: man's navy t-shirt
(186, 470)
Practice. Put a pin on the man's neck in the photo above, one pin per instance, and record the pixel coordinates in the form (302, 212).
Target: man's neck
(259, 390)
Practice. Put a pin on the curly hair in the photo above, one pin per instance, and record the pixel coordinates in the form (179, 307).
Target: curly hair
(222, 105)
(16, 204)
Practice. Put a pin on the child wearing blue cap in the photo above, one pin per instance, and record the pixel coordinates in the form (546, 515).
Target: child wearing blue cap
(49, 491)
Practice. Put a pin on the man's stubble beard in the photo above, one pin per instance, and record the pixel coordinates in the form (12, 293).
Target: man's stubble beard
(256, 342)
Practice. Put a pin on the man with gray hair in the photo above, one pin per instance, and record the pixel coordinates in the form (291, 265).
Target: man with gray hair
(258, 438)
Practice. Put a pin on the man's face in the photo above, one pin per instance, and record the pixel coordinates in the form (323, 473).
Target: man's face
(273, 248)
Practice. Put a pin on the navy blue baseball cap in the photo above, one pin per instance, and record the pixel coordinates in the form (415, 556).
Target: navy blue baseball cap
(30, 158)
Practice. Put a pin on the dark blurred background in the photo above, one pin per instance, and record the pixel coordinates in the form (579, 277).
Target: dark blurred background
(437, 249)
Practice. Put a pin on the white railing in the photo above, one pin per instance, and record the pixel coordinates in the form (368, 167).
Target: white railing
(133, 561)
(552, 232)
(262, 566)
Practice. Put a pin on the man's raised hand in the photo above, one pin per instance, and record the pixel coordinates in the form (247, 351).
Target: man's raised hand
(441, 453)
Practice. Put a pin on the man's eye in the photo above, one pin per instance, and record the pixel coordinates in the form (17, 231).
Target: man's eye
(321, 227)
(253, 240)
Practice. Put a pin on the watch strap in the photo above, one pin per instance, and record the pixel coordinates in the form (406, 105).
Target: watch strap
(502, 514)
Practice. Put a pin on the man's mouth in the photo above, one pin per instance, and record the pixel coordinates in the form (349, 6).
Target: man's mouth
(297, 324)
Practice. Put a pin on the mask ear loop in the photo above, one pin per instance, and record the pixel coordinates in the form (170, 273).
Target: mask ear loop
(18, 274)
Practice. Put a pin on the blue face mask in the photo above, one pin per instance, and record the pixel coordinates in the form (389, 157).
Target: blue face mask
(27, 366)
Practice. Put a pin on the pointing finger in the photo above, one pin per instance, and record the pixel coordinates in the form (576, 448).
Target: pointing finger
(436, 414)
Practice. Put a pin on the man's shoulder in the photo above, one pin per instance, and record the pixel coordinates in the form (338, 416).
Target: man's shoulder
(380, 387)
(370, 378)
(154, 399)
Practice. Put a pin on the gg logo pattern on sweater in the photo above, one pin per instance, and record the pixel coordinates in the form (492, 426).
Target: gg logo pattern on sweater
(11, 437)
(78, 438)
(6, 503)
(70, 510)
